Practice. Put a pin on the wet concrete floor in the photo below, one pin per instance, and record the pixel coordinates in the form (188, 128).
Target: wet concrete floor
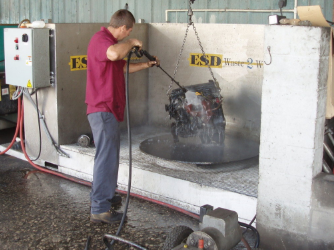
(43, 211)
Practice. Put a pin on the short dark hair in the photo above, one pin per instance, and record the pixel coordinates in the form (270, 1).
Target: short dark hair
(122, 17)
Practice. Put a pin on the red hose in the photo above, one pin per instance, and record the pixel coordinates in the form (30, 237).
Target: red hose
(195, 216)
(246, 243)
(17, 127)
(38, 167)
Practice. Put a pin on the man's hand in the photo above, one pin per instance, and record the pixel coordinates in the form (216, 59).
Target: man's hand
(135, 43)
(152, 63)
(134, 67)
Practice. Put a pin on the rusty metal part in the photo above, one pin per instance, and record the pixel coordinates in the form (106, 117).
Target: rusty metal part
(198, 112)
(84, 141)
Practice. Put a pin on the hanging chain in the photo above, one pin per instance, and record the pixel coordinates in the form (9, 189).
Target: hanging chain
(190, 13)
(206, 60)
(179, 57)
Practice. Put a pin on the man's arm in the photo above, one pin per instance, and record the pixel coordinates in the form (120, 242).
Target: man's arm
(134, 67)
(119, 50)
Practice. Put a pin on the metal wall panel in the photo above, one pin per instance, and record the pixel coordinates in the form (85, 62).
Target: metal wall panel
(152, 11)
(64, 103)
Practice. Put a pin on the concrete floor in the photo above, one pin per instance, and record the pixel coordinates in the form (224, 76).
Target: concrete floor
(42, 211)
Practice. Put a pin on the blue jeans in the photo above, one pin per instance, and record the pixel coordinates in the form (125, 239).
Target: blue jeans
(106, 137)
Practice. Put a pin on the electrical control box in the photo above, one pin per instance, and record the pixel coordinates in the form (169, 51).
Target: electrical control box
(27, 57)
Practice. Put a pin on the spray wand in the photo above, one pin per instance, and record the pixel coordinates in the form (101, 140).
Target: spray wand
(140, 52)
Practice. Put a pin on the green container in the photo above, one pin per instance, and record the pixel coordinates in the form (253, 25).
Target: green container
(2, 66)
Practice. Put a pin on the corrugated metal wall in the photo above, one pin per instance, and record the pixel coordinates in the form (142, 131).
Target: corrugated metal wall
(152, 11)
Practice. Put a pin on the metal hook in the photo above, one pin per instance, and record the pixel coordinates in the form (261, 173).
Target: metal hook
(190, 12)
(268, 48)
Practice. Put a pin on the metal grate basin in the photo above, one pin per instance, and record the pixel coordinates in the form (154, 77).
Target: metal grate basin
(191, 150)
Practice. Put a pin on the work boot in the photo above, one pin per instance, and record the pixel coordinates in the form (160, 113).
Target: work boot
(109, 217)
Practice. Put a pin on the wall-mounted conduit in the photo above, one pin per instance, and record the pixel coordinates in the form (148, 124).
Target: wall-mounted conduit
(234, 10)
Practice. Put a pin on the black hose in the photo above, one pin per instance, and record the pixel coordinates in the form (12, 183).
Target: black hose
(330, 22)
(88, 243)
(105, 240)
(257, 243)
(113, 237)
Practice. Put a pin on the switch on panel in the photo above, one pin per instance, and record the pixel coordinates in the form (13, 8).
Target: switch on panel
(25, 38)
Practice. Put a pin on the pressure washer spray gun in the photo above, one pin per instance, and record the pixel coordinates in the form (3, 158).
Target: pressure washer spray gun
(140, 52)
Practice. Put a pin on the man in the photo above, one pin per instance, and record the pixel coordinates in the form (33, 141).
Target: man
(105, 99)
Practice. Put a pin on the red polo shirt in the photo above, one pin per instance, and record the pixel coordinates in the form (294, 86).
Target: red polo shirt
(105, 89)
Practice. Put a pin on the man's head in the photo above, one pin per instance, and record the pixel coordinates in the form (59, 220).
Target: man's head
(123, 21)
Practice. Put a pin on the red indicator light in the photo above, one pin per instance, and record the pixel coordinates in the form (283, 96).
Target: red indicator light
(16, 40)
(16, 57)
